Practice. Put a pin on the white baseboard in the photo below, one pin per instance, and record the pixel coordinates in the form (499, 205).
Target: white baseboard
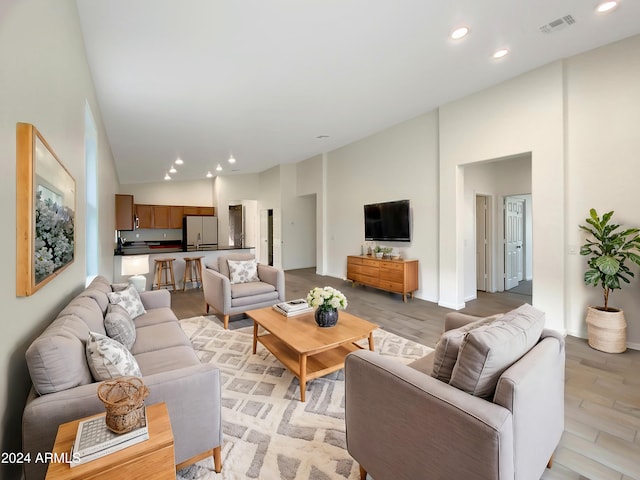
(631, 345)
(452, 306)
(426, 299)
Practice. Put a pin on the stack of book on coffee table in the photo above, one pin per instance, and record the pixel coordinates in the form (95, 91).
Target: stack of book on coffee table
(94, 440)
(293, 307)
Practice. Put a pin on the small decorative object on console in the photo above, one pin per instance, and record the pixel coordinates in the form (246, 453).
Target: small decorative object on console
(124, 400)
(327, 300)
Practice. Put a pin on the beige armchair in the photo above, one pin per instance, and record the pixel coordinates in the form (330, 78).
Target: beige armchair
(402, 423)
(228, 298)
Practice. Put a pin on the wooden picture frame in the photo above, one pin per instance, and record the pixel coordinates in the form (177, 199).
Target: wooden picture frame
(45, 212)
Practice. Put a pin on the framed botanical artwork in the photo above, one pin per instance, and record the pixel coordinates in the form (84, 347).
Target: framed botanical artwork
(45, 212)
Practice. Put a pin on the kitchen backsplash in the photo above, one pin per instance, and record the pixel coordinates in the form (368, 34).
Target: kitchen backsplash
(151, 235)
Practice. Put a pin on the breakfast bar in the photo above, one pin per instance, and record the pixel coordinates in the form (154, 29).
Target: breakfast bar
(209, 253)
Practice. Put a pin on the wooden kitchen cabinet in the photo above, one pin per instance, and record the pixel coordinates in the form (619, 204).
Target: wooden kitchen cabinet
(124, 212)
(167, 216)
(158, 216)
(161, 218)
(145, 216)
(175, 216)
(199, 210)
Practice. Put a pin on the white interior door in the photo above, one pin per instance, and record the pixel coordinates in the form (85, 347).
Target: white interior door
(514, 237)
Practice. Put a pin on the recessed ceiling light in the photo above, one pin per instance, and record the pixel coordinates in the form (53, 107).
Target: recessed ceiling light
(172, 169)
(459, 32)
(231, 159)
(606, 6)
(500, 53)
(179, 161)
(209, 174)
(219, 168)
(167, 177)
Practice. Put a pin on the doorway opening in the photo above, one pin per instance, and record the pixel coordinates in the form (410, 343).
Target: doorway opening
(270, 250)
(487, 187)
(270, 236)
(236, 225)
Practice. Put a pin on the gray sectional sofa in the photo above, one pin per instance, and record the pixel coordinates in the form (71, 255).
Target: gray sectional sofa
(64, 388)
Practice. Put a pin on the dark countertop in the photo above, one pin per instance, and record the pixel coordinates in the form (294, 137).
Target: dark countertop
(160, 248)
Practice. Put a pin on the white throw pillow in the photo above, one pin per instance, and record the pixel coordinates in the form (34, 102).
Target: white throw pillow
(119, 325)
(109, 359)
(243, 271)
(129, 299)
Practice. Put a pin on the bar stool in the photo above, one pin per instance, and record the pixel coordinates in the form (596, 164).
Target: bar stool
(193, 266)
(164, 268)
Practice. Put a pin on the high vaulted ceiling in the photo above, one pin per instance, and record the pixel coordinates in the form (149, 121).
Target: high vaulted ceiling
(263, 79)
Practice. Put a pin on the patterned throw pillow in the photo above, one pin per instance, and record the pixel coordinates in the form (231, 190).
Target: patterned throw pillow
(130, 300)
(243, 271)
(119, 325)
(109, 359)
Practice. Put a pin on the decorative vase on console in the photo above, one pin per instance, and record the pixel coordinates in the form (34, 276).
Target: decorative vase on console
(327, 301)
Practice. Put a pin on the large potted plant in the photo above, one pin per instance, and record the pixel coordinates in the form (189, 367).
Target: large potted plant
(609, 251)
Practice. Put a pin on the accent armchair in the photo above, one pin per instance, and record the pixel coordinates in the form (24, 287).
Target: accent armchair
(230, 291)
(402, 423)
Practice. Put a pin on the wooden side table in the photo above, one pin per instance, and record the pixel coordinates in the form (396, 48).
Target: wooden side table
(153, 458)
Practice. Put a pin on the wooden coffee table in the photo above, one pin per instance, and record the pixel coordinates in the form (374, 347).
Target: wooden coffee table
(307, 350)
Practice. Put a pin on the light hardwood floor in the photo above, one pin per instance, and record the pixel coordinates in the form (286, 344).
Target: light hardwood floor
(602, 391)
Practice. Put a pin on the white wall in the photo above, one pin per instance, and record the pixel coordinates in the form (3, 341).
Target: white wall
(395, 164)
(603, 144)
(250, 212)
(172, 192)
(528, 236)
(555, 114)
(299, 233)
(522, 115)
(298, 223)
(270, 197)
(310, 180)
(45, 81)
(231, 190)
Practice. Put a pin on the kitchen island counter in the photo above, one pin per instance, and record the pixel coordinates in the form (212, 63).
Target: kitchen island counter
(209, 254)
(157, 247)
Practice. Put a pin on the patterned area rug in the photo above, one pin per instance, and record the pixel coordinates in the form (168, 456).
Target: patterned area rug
(268, 432)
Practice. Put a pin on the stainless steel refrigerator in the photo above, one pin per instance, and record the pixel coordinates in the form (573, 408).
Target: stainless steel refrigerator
(199, 231)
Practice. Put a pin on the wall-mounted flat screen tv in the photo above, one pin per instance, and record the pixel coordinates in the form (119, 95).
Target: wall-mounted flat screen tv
(388, 221)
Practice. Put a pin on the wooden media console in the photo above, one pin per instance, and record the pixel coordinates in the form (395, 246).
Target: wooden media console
(397, 276)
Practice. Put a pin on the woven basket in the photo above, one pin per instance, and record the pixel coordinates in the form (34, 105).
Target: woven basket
(123, 399)
(607, 330)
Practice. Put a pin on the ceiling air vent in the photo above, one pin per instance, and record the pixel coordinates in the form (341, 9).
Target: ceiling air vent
(558, 24)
